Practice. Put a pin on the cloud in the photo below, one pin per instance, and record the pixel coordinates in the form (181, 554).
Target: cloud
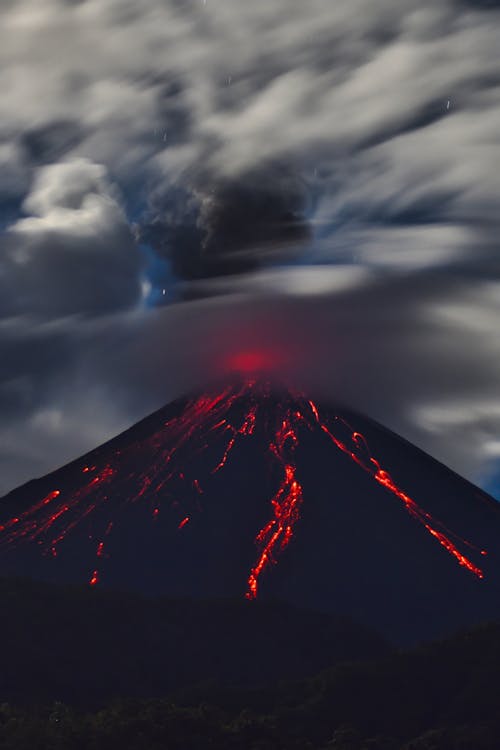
(53, 407)
(228, 226)
(419, 353)
(395, 348)
(355, 141)
(75, 252)
(393, 106)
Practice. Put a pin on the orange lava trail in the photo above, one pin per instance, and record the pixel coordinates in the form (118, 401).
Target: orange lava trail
(286, 504)
(359, 452)
(94, 578)
(386, 480)
(50, 520)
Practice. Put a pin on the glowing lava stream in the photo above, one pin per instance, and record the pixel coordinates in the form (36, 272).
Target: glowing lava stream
(204, 423)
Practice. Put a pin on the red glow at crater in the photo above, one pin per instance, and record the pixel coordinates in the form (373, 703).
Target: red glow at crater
(254, 361)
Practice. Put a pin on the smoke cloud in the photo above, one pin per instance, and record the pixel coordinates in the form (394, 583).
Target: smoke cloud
(315, 183)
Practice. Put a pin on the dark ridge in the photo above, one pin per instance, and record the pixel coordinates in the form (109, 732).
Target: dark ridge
(85, 647)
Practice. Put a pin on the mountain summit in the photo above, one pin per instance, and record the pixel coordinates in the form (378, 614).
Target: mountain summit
(259, 491)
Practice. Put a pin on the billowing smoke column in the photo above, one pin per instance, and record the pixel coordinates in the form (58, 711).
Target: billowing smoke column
(212, 422)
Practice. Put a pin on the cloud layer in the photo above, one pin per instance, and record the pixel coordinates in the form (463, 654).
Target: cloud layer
(324, 173)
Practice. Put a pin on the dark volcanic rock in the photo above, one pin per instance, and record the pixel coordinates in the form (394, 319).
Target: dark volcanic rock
(356, 550)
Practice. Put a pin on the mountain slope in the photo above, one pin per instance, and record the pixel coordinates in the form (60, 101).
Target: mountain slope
(257, 491)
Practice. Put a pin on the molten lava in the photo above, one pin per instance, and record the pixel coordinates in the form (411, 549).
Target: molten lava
(207, 426)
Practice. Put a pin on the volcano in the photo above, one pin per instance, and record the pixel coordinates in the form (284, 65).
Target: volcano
(258, 491)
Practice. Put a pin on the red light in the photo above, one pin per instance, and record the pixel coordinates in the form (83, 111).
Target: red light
(226, 419)
(253, 361)
(94, 579)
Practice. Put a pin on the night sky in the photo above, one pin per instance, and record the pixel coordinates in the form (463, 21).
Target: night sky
(191, 186)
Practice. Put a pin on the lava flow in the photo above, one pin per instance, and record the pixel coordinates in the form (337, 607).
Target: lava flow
(183, 455)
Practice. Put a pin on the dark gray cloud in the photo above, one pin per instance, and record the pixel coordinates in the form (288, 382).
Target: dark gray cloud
(357, 140)
(49, 143)
(227, 226)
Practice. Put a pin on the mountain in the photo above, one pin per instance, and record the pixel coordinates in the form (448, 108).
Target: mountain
(252, 490)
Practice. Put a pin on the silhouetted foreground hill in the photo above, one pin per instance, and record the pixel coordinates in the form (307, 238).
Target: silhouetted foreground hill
(88, 646)
(443, 696)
